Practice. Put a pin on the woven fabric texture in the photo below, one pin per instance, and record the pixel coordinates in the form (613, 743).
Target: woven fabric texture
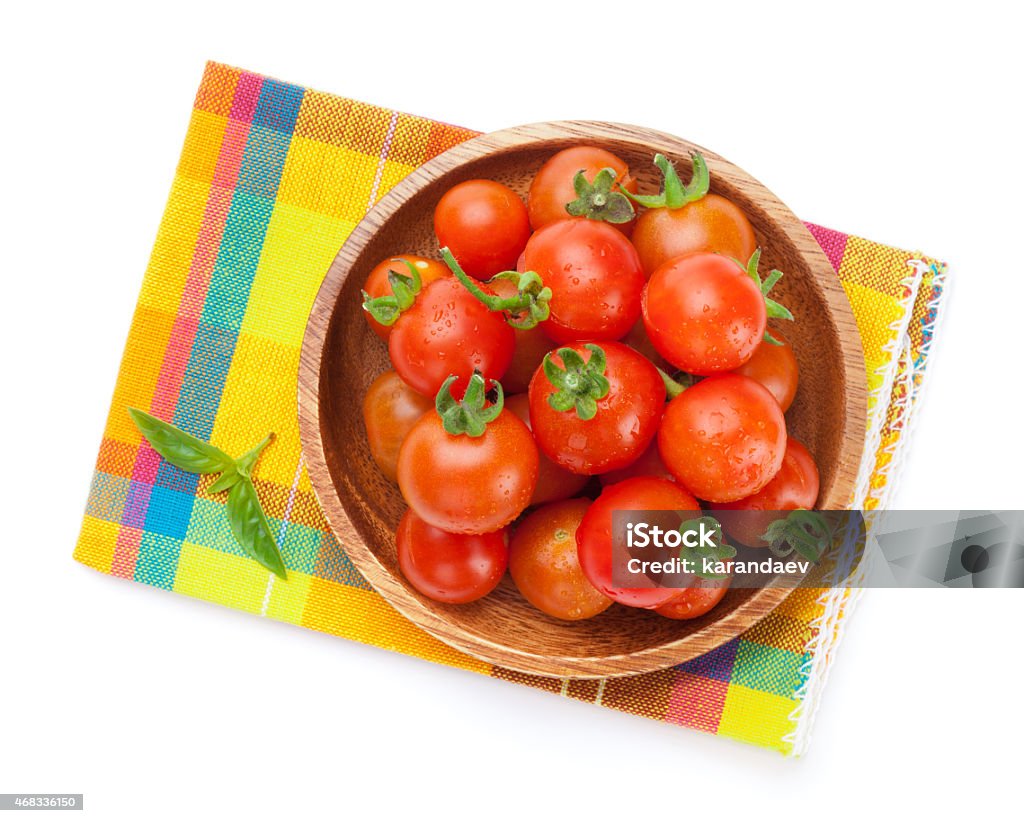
(271, 180)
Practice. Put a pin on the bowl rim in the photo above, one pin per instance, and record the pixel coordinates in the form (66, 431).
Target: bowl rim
(533, 136)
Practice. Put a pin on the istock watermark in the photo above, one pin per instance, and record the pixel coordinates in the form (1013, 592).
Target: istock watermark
(757, 549)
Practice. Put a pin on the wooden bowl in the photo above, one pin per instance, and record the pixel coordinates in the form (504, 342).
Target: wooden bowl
(341, 356)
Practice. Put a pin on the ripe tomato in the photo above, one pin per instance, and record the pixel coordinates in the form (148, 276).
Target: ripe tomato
(648, 464)
(390, 408)
(545, 566)
(553, 482)
(607, 400)
(774, 367)
(595, 538)
(723, 438)
(595, 276)
(709, 225)
(795, 486)
(695, 601)
(485, 225)
(704, 313)
(465, 483)
(531, 346)
(450, 568)
(553, 186)
(448, 331)
(377, 284)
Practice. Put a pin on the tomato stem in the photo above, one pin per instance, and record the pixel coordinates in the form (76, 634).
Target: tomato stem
(696, 555)
(674, 388)
(674, 195)
(599, 200)
(775, 309)
(524, 309)
(579, 385)
(805, 532)
(470, 415)
(387, 308)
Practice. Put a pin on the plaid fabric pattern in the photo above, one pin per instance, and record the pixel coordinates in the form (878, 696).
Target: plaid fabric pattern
(271, 180)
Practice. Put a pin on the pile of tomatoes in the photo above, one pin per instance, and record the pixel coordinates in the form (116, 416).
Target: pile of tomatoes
(592, 350)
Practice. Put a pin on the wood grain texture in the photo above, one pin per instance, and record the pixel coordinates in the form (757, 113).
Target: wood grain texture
(341, 357)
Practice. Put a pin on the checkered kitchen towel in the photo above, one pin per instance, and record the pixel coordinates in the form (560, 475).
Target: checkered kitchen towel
(271, 180)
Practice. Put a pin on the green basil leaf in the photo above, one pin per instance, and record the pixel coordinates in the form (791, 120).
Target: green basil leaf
(251, 528)
(180, 448)
(224, 482)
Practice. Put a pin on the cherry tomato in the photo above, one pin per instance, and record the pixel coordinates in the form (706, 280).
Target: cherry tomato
(448, 331)
(626, 417)
(723, 438)
(465, 484)
(711, 224)
(531, 346)
(795, 486)
(450, 568)
(595, 538)
(553, 186)
(377, 284)
(390, 408)
(648, 464)
(485, 225)
(695, 601)
(545, 566)
(595, 276)
(553, 482)
(704, 313)
(774, 367)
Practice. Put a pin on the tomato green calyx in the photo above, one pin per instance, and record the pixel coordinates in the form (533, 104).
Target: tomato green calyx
(775, 309)
(387, 308)
(524, 309)
(694, 557)
(599, 200)
(802, 531)
(674, 195)
(470, 415)
(579, 385)
(675, 387)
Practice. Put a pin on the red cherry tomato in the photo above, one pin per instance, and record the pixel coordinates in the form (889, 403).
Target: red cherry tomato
(448, 331)
(595, 537)
(795, 486)
(594, 275)
(390, 408)
(468, 485)
(625, 421)
(553, 482)
(704, 313)
(449, 568)
(723, 438)
(711, 224)
(553, 186)
(377, 284)
(648, 464)
(545, 566)
(695, 601)
(775, 368)
(485, 225)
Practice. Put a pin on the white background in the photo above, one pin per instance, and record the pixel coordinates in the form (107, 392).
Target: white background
(899, 125)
